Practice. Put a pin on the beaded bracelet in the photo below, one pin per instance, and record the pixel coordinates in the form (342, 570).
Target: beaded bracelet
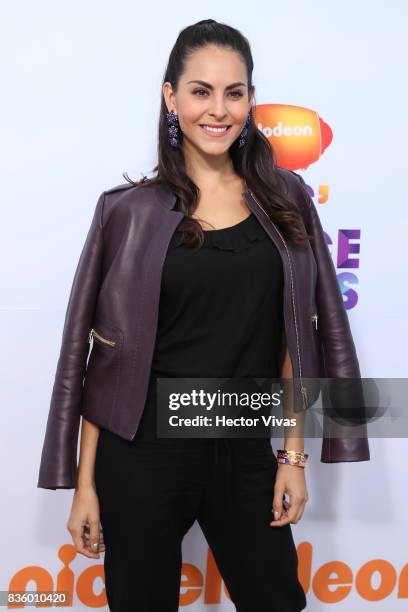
(298, 458)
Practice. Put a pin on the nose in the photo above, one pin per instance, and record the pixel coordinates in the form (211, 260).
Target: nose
(217, 109)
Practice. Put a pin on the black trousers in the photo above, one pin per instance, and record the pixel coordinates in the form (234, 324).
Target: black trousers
(152, 490)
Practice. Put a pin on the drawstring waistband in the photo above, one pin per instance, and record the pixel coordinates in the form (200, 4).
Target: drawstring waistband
(224, 467)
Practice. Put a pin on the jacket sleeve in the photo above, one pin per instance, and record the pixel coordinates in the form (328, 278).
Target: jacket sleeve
(58, 466)
(340, 361)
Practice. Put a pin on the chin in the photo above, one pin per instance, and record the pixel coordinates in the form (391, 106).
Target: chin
(215, 151)
(213, 148)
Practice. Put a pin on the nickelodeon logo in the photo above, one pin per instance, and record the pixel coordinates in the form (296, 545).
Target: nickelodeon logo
(332, 582)
(298, 135)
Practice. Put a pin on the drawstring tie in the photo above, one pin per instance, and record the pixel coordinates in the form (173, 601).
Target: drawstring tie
(225, 466)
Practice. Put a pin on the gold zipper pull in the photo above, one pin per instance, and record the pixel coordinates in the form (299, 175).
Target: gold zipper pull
(314, 318)
(102, 339)
(304, 395)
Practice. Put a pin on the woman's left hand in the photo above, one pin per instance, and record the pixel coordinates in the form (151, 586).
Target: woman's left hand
(290, 479)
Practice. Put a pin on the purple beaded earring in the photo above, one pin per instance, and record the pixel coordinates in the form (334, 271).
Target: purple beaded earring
(173, 128)
(244, 134)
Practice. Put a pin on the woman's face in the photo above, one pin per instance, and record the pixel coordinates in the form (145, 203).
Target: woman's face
(213, 91)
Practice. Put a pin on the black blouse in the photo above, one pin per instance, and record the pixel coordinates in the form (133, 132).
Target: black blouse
(220, 310)
(221, 306)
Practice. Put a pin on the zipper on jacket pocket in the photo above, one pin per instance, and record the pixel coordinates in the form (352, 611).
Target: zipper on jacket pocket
(95, 334)
(302, 387)
(314, 319)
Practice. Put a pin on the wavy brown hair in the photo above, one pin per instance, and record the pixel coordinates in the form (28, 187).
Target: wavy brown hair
(255, 162)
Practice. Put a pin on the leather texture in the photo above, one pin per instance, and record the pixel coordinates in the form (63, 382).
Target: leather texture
(116, 291)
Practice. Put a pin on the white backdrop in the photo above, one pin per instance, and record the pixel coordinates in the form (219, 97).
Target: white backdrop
(80, 86)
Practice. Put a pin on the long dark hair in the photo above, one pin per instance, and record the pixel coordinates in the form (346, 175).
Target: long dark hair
(255, 162)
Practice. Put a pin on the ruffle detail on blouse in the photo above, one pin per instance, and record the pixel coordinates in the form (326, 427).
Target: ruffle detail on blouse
(236, 238)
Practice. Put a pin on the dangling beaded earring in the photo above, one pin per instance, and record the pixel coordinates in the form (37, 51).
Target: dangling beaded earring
(173, 128)
(244, 133)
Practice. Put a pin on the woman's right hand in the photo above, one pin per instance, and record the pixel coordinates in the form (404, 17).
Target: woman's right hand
(84, 524)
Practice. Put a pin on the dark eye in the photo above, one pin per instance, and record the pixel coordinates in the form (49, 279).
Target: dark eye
(239, 94)
(196, 91)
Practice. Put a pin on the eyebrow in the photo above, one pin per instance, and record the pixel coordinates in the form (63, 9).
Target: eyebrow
(237, 84)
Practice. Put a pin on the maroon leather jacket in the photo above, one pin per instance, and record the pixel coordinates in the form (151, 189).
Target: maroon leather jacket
(114, 300)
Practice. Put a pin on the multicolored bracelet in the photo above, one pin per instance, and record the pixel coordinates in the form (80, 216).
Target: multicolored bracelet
(298, 458)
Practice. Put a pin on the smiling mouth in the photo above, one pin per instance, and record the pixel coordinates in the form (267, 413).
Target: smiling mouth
(215, 131)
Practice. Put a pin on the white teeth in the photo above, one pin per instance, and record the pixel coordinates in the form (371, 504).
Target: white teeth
(213, 129)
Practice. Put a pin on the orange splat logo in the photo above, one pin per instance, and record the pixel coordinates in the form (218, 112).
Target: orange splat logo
(298, 135)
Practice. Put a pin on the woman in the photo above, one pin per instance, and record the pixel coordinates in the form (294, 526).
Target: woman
(199, 238)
